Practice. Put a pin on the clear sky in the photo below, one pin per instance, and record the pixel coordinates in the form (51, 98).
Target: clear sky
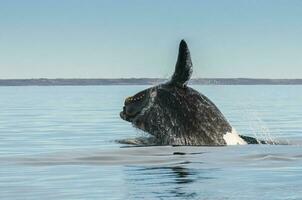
(139, 38)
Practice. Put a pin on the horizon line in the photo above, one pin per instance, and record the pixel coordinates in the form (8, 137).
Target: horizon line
(144, 81)
(145, 78)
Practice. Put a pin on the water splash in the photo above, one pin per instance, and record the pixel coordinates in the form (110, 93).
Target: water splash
(257, 126)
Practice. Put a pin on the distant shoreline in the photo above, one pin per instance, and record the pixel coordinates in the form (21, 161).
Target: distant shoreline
(145, 81)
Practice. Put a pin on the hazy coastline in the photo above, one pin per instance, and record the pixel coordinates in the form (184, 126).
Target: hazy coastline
(145, 81)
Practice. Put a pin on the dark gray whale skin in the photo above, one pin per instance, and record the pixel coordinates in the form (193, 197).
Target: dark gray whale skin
(175, 114)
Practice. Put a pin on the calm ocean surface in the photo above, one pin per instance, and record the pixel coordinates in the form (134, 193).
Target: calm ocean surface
(59, 143)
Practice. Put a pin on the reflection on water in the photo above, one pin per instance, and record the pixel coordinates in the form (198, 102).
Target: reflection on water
(174, 182)
(159, 172)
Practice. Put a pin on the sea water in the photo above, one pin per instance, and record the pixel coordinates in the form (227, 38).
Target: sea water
(59, 143)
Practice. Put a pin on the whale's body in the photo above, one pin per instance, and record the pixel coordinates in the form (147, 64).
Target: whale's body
(175, 114)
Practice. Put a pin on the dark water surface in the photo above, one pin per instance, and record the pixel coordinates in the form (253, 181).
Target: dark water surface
(59, 143)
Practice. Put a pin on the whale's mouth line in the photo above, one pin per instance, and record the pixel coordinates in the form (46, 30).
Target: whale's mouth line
(128, 117)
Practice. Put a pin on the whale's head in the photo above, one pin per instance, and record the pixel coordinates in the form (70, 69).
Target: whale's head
(158, 110)
(137, 104)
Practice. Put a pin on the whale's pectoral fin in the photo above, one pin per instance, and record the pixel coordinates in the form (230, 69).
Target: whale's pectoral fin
(183, 68)
(251, 140)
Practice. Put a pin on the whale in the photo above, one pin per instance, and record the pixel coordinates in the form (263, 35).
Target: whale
(172, 113)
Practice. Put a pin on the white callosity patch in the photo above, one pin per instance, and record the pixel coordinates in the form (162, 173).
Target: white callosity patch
(232, 138)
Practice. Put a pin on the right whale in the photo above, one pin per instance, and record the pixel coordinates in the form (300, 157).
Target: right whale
(175, 114)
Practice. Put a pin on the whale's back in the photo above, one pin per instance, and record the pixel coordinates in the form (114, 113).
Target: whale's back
(194, 118)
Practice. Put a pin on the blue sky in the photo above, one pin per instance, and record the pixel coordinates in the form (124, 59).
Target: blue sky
(139, 38)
